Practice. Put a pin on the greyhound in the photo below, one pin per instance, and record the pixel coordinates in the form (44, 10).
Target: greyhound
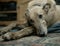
(40, 14)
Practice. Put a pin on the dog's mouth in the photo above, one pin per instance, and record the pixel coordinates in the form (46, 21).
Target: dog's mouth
(41, 34)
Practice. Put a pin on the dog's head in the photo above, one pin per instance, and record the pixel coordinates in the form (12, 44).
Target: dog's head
(38, 14)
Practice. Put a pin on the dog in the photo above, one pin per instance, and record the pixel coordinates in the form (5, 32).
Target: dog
(40, 14)
(17, 35)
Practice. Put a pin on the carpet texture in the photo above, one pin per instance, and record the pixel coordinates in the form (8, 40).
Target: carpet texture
(53, 39)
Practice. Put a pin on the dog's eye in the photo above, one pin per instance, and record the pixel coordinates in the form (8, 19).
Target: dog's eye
(40, 16)
(31, 21)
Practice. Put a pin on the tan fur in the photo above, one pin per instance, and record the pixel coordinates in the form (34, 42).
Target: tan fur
(7, 28)
(40, 24)
(18, 34)
(49, 18)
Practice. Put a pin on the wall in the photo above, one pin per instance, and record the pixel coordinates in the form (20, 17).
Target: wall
(22, 5)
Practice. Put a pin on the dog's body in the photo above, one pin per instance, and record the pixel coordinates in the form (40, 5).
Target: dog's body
(40, 14)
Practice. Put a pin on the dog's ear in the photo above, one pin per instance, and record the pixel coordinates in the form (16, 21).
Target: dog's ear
(27, 14)
(27, 17)
(53, 3)
(46, 7)
(50, 5)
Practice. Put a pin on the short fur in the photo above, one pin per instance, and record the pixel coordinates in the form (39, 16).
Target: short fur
(40, 14)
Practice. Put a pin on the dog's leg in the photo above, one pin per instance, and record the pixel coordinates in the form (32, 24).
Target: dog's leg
(6, 29)
(18, 34)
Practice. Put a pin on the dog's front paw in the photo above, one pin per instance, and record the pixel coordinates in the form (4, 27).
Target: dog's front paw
(7, 36)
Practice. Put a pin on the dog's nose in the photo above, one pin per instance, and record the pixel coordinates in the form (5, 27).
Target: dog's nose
(42, 35)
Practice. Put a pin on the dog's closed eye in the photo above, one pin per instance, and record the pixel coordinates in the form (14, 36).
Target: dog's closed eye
(31, 21)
